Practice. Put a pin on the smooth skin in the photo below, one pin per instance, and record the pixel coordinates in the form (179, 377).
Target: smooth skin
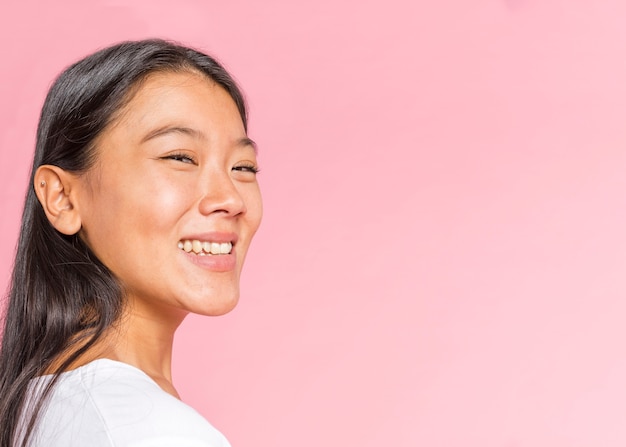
(176, 164)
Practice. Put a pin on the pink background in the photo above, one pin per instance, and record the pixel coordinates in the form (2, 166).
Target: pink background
(443, 252)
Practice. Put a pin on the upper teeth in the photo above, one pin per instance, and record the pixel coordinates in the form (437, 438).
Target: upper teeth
(205, 248)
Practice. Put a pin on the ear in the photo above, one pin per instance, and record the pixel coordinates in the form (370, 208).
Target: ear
(55, 189)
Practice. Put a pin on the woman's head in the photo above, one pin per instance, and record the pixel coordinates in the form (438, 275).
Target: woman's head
(167, 162)
(171, 203)
(143, 184)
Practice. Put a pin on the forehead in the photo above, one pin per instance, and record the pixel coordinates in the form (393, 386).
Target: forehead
(178, 98)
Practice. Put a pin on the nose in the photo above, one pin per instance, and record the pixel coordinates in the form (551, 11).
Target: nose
(220, 195)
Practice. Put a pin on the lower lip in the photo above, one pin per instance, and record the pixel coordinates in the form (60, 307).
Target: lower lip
(215, 263)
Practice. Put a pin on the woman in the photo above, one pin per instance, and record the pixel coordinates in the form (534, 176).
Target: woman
(143, 203)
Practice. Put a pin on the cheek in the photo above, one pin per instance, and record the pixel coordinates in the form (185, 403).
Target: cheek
(153, 189)
(254, 206)
(131, 211)
(162, 200)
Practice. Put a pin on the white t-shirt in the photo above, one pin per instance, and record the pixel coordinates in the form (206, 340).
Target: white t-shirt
(107, 403)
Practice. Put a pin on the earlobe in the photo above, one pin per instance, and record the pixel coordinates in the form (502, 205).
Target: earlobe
(55, 190)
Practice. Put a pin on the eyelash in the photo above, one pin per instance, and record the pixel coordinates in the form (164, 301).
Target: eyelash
(246, 168)
(184, 158)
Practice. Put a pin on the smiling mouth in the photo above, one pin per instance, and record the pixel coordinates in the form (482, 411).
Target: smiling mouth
(201, 248)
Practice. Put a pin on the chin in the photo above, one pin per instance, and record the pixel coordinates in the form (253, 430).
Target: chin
(218, 307)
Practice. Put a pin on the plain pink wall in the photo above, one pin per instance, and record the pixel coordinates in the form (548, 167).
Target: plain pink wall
(443, 252)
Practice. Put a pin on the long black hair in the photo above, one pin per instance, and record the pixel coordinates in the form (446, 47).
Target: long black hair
(61, 297)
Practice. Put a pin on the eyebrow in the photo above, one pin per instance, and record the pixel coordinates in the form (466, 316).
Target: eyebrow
(173, 129)
(194, 133)
(245, 141)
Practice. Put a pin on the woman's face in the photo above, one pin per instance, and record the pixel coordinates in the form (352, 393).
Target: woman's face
(172, 203)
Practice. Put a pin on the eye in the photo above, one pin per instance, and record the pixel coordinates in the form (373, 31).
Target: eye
(182, 157)
(246, 167)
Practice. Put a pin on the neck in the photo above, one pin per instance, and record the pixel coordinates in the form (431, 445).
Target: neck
(144, 338)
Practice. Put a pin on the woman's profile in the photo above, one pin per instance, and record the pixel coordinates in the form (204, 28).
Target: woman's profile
(142, 205)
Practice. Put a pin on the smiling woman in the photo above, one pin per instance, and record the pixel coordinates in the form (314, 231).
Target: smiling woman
(143, 204)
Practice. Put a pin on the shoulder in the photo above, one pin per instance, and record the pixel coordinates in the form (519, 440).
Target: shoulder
(121, 406)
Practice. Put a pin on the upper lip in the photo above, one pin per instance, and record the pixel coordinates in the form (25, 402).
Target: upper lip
(213, 236)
